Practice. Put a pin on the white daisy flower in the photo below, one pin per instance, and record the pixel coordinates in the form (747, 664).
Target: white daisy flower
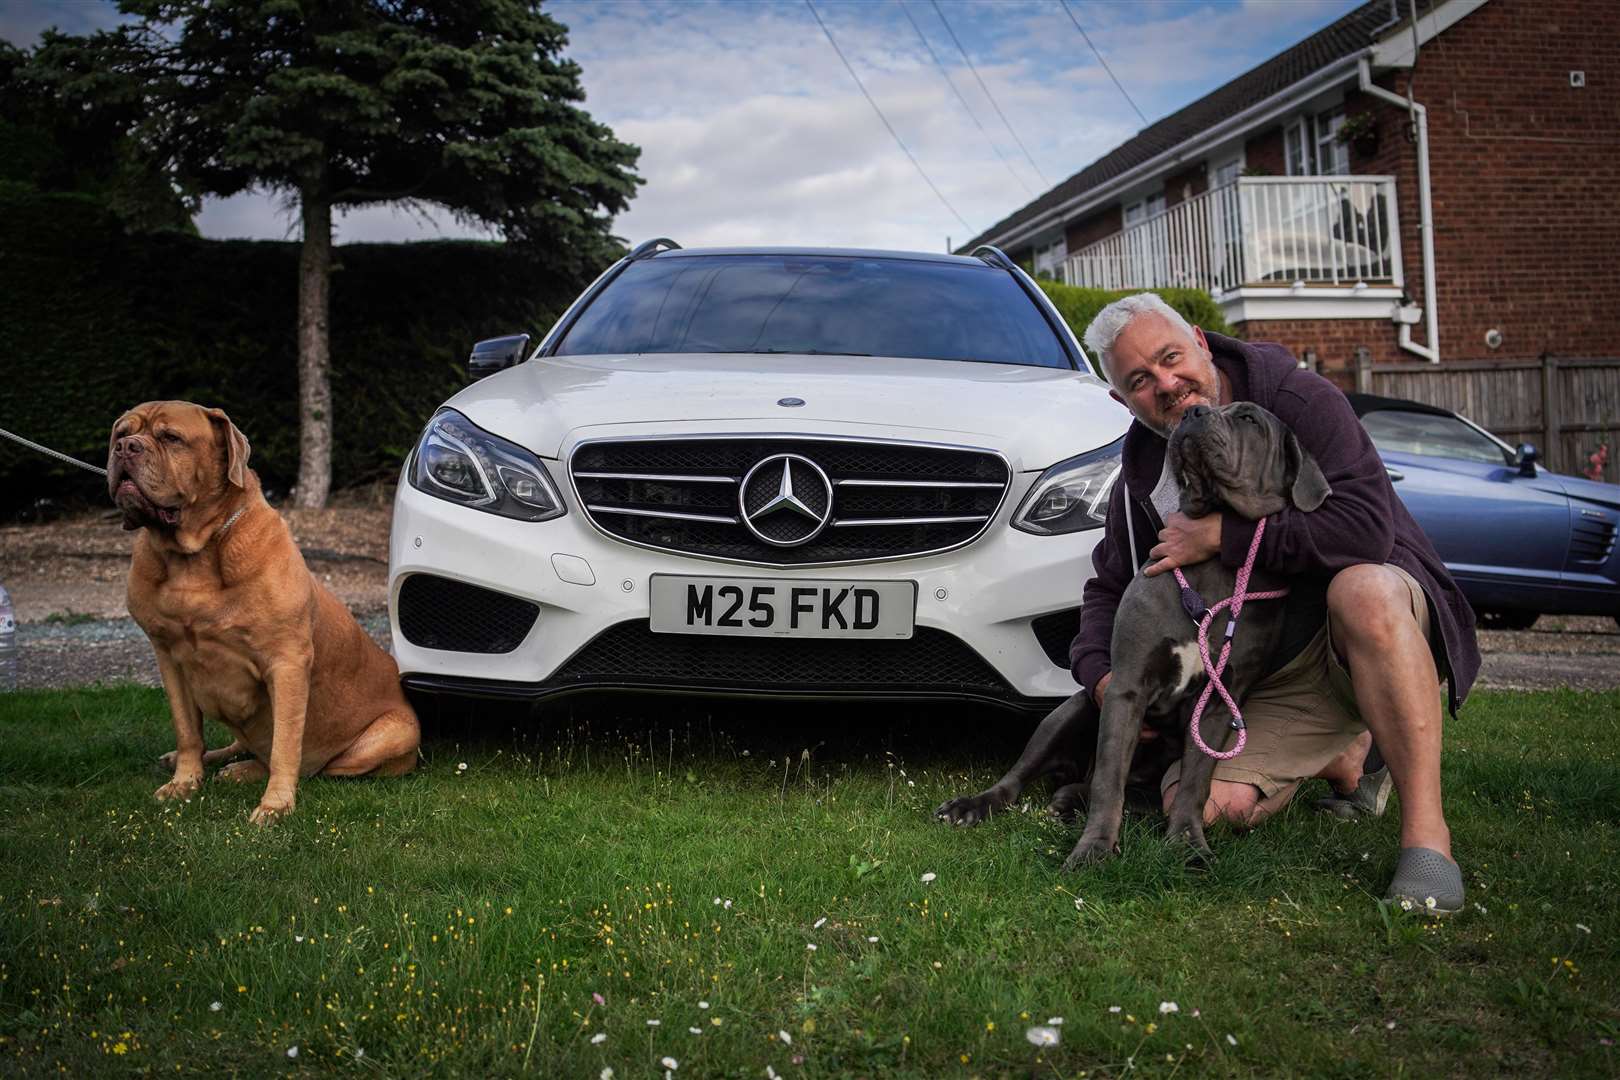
(599, 1038)
(787, 1040)
(1043, 1035)
(1168, 1007)
(930, 876)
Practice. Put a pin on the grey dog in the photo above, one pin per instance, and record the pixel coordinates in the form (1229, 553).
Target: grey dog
(1239, 457)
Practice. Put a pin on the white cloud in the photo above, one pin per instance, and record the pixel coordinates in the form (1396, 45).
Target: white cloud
(752, 131)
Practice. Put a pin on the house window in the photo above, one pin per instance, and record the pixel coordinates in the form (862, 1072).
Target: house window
(1311, 146)
(1226, 172)
(1143, 209)
(1049, 259)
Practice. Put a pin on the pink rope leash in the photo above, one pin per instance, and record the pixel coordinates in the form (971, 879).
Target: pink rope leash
(1240, 594)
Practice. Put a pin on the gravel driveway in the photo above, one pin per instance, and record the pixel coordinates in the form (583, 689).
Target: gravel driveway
(67, 581)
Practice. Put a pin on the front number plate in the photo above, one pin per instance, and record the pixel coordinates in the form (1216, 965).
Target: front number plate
(774, 607)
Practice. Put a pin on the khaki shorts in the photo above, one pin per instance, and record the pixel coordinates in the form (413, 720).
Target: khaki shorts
(1302, 716)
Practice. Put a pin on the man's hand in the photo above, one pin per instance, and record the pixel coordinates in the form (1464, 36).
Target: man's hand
(1184, 541)
(1101, 688)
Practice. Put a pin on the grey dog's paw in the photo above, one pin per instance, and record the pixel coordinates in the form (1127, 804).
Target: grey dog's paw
(1089, 851)
(1191, 833)
(971, 809)
(1068, 802)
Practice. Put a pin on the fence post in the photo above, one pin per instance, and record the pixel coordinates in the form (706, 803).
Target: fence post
(1363, 370)
(1550, 452)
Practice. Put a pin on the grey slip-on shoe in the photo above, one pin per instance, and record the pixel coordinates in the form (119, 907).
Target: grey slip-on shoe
(1370, 798)
(1426, 881)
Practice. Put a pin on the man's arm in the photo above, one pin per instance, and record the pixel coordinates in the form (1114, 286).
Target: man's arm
(1111, 566)
(1354, 524)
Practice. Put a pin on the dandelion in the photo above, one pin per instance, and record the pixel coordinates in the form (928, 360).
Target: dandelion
(930, 876)
(787, 1040)
(819, 923)
(669, 1063)
(989, 1025)
(1168, 1007)
(1151, 1028)
(215, 1007)
(1043, 1035)
(599, 1038)
(292, 1052)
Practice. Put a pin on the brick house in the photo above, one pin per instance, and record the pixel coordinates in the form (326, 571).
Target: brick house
(1298, 193)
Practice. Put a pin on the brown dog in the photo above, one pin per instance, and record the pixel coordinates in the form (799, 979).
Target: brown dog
(242, 631)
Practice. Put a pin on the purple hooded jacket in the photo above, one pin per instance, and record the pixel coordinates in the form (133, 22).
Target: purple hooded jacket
(1363, 521)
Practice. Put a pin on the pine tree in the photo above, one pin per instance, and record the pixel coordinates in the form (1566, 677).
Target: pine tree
(466, 105)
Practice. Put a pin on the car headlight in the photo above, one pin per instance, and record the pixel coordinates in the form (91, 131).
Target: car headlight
(1072, 496)
(462, 463)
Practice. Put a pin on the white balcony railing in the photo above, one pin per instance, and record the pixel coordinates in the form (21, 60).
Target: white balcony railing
(1255, 231)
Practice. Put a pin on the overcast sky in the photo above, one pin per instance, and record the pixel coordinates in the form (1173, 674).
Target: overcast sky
(752, 130)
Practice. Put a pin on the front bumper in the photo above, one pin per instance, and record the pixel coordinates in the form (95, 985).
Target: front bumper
(590, 594)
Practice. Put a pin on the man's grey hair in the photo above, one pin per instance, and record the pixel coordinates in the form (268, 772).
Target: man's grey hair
(1112, 320)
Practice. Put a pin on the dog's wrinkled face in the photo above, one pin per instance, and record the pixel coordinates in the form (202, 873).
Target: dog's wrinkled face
(166, 457)
(1241, 456)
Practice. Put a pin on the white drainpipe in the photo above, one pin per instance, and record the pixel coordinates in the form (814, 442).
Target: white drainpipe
(1431, 319)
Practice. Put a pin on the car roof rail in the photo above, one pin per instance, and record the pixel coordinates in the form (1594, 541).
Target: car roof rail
(648, 248)
(994, 256)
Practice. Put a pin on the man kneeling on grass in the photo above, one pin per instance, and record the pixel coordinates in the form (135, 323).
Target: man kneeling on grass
(1373, 618)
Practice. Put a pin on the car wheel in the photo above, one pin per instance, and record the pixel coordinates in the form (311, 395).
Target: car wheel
(1509, 620)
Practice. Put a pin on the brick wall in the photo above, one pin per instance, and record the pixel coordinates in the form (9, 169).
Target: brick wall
(1333, 340)
(1089, 230)
(1263, 154)
(1186, 184)
(1524, 176)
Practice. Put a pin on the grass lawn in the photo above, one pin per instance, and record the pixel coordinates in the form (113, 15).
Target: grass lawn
(765, 891)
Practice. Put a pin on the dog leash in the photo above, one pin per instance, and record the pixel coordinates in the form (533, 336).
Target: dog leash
(1192, 602)
(53, 453)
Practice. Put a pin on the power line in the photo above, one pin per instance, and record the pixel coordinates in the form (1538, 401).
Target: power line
(969, 109)
(898, 141)
(988, 94)
(1100, 60)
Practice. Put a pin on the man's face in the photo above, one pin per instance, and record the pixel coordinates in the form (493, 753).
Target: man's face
(1159, 371)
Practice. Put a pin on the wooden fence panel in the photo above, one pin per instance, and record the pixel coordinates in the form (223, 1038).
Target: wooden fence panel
(1567, 407)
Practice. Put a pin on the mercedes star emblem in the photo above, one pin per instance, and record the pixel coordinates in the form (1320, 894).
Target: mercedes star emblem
(786, 500)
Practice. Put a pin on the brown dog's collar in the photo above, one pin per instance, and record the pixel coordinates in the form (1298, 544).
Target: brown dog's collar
(240, 510)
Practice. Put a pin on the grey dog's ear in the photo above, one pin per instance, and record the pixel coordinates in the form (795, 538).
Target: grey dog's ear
(1310, 488)
(236, 447)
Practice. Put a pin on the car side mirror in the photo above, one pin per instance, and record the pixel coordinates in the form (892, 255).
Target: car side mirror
(496, 354)
(1527, 459)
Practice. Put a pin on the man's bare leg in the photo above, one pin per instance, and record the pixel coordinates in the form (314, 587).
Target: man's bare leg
(1397, 692)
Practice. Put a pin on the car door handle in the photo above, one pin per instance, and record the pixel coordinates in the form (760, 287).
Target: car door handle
(1394, 474)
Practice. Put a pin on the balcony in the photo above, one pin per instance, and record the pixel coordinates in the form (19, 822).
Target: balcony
(1262, 239)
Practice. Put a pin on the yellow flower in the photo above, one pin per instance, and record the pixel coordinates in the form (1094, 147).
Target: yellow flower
(989, 1025)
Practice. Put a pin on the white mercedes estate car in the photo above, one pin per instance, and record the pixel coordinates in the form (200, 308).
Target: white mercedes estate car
(810, 473)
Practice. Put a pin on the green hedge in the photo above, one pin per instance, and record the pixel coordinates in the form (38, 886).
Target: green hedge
(1079, 306)
(93, 320)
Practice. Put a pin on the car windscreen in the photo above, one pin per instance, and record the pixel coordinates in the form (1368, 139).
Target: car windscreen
(1394, 431)
(832, 304)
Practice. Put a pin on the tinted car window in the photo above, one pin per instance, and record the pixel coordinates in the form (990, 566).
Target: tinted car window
(1426, 433)
(841, 305)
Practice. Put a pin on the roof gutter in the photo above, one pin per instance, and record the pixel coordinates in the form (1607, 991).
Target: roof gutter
(1431, 319)
(1254, 116)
